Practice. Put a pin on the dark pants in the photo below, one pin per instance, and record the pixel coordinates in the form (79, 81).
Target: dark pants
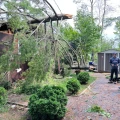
(116, 74)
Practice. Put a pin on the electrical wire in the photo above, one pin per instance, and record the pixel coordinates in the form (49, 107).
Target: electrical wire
(57, 6)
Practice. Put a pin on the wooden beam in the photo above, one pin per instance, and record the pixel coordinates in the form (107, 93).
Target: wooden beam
(48, 19)
(53, 18)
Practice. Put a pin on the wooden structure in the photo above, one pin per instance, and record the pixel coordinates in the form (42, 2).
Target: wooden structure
(104, 58)
(7, 35)
(6, 38)
(52, 18)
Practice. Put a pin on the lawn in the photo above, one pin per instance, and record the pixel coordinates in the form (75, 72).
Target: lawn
(58, 80)
(91, 80)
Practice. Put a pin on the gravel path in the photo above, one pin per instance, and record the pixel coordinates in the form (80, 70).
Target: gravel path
(105, 95)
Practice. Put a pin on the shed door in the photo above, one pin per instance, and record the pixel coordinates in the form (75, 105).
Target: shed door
(107, 62)
(100, 62)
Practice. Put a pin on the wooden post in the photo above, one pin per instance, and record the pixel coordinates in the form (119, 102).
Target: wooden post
(58, 65)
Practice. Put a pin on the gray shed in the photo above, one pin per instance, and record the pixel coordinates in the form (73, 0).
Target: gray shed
(104, 58)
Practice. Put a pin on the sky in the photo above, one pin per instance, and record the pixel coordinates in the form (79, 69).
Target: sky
(68, 7)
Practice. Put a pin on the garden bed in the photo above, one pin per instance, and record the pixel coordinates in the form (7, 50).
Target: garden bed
(17, 103)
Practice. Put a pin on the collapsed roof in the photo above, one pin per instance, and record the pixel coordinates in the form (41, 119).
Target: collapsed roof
(40, 11)
(45, 12)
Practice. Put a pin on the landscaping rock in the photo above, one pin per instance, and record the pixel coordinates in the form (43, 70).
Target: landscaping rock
(13, 107)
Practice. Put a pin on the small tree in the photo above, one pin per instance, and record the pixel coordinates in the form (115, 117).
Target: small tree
(89, 34)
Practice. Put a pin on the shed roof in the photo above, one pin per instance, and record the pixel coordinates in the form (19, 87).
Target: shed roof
(110, 51)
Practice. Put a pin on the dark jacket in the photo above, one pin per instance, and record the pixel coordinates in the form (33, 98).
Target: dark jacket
(115, 61)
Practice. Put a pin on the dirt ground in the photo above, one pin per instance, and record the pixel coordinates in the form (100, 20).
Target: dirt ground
(16, 112)
(14, 115)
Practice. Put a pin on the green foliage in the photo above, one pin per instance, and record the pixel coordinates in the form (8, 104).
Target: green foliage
(39, 67)
(8, 62)
(4, 61)
(85, 36)
(20, 12)
(28, 48)
(25, 6)
(95, 109)
(66, 70)
(48, 103)
(83, 77)
(37, 56)
(99, 110)
(3, 96)
(73, 85)
(15, 22)
(6, 84)
(117, 28)
(29, 89)
(107, 44)
(69, 33)
(117, 32)
(26, 88)
(89, 33)
(4, 109)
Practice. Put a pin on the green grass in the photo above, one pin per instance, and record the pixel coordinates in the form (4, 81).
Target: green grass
(58, 80)
(98, 109)
(25, 98)
(107, 77)
(4, 109)
(84, 86)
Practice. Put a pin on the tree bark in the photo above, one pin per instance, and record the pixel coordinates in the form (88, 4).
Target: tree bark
(103, 17)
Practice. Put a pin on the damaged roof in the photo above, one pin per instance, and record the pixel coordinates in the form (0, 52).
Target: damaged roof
(48, 13)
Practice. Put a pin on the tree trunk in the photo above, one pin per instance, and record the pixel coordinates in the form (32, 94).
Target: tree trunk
(58, 65)
(103, 17)
(91, 3)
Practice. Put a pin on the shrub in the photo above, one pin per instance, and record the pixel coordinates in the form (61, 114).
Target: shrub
(73, 86)
(48, 103)
(67, 72)
(26, 88)
(3, 96)
(83, 77)
(29, 89)
(6, 84)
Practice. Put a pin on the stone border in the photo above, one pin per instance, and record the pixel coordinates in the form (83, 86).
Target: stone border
(13, 103)
(87, 88)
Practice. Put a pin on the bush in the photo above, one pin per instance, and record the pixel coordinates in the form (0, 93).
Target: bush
(3, 96)
(26, 88)
(6, 84)
(67, 72)
(73, 86)
(29, 89)
(83, 77)
(48, 103)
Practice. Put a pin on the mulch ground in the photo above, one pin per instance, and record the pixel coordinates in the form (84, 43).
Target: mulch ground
(100, 93)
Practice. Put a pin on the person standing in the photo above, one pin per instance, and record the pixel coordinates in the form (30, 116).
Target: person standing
(114, 62)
